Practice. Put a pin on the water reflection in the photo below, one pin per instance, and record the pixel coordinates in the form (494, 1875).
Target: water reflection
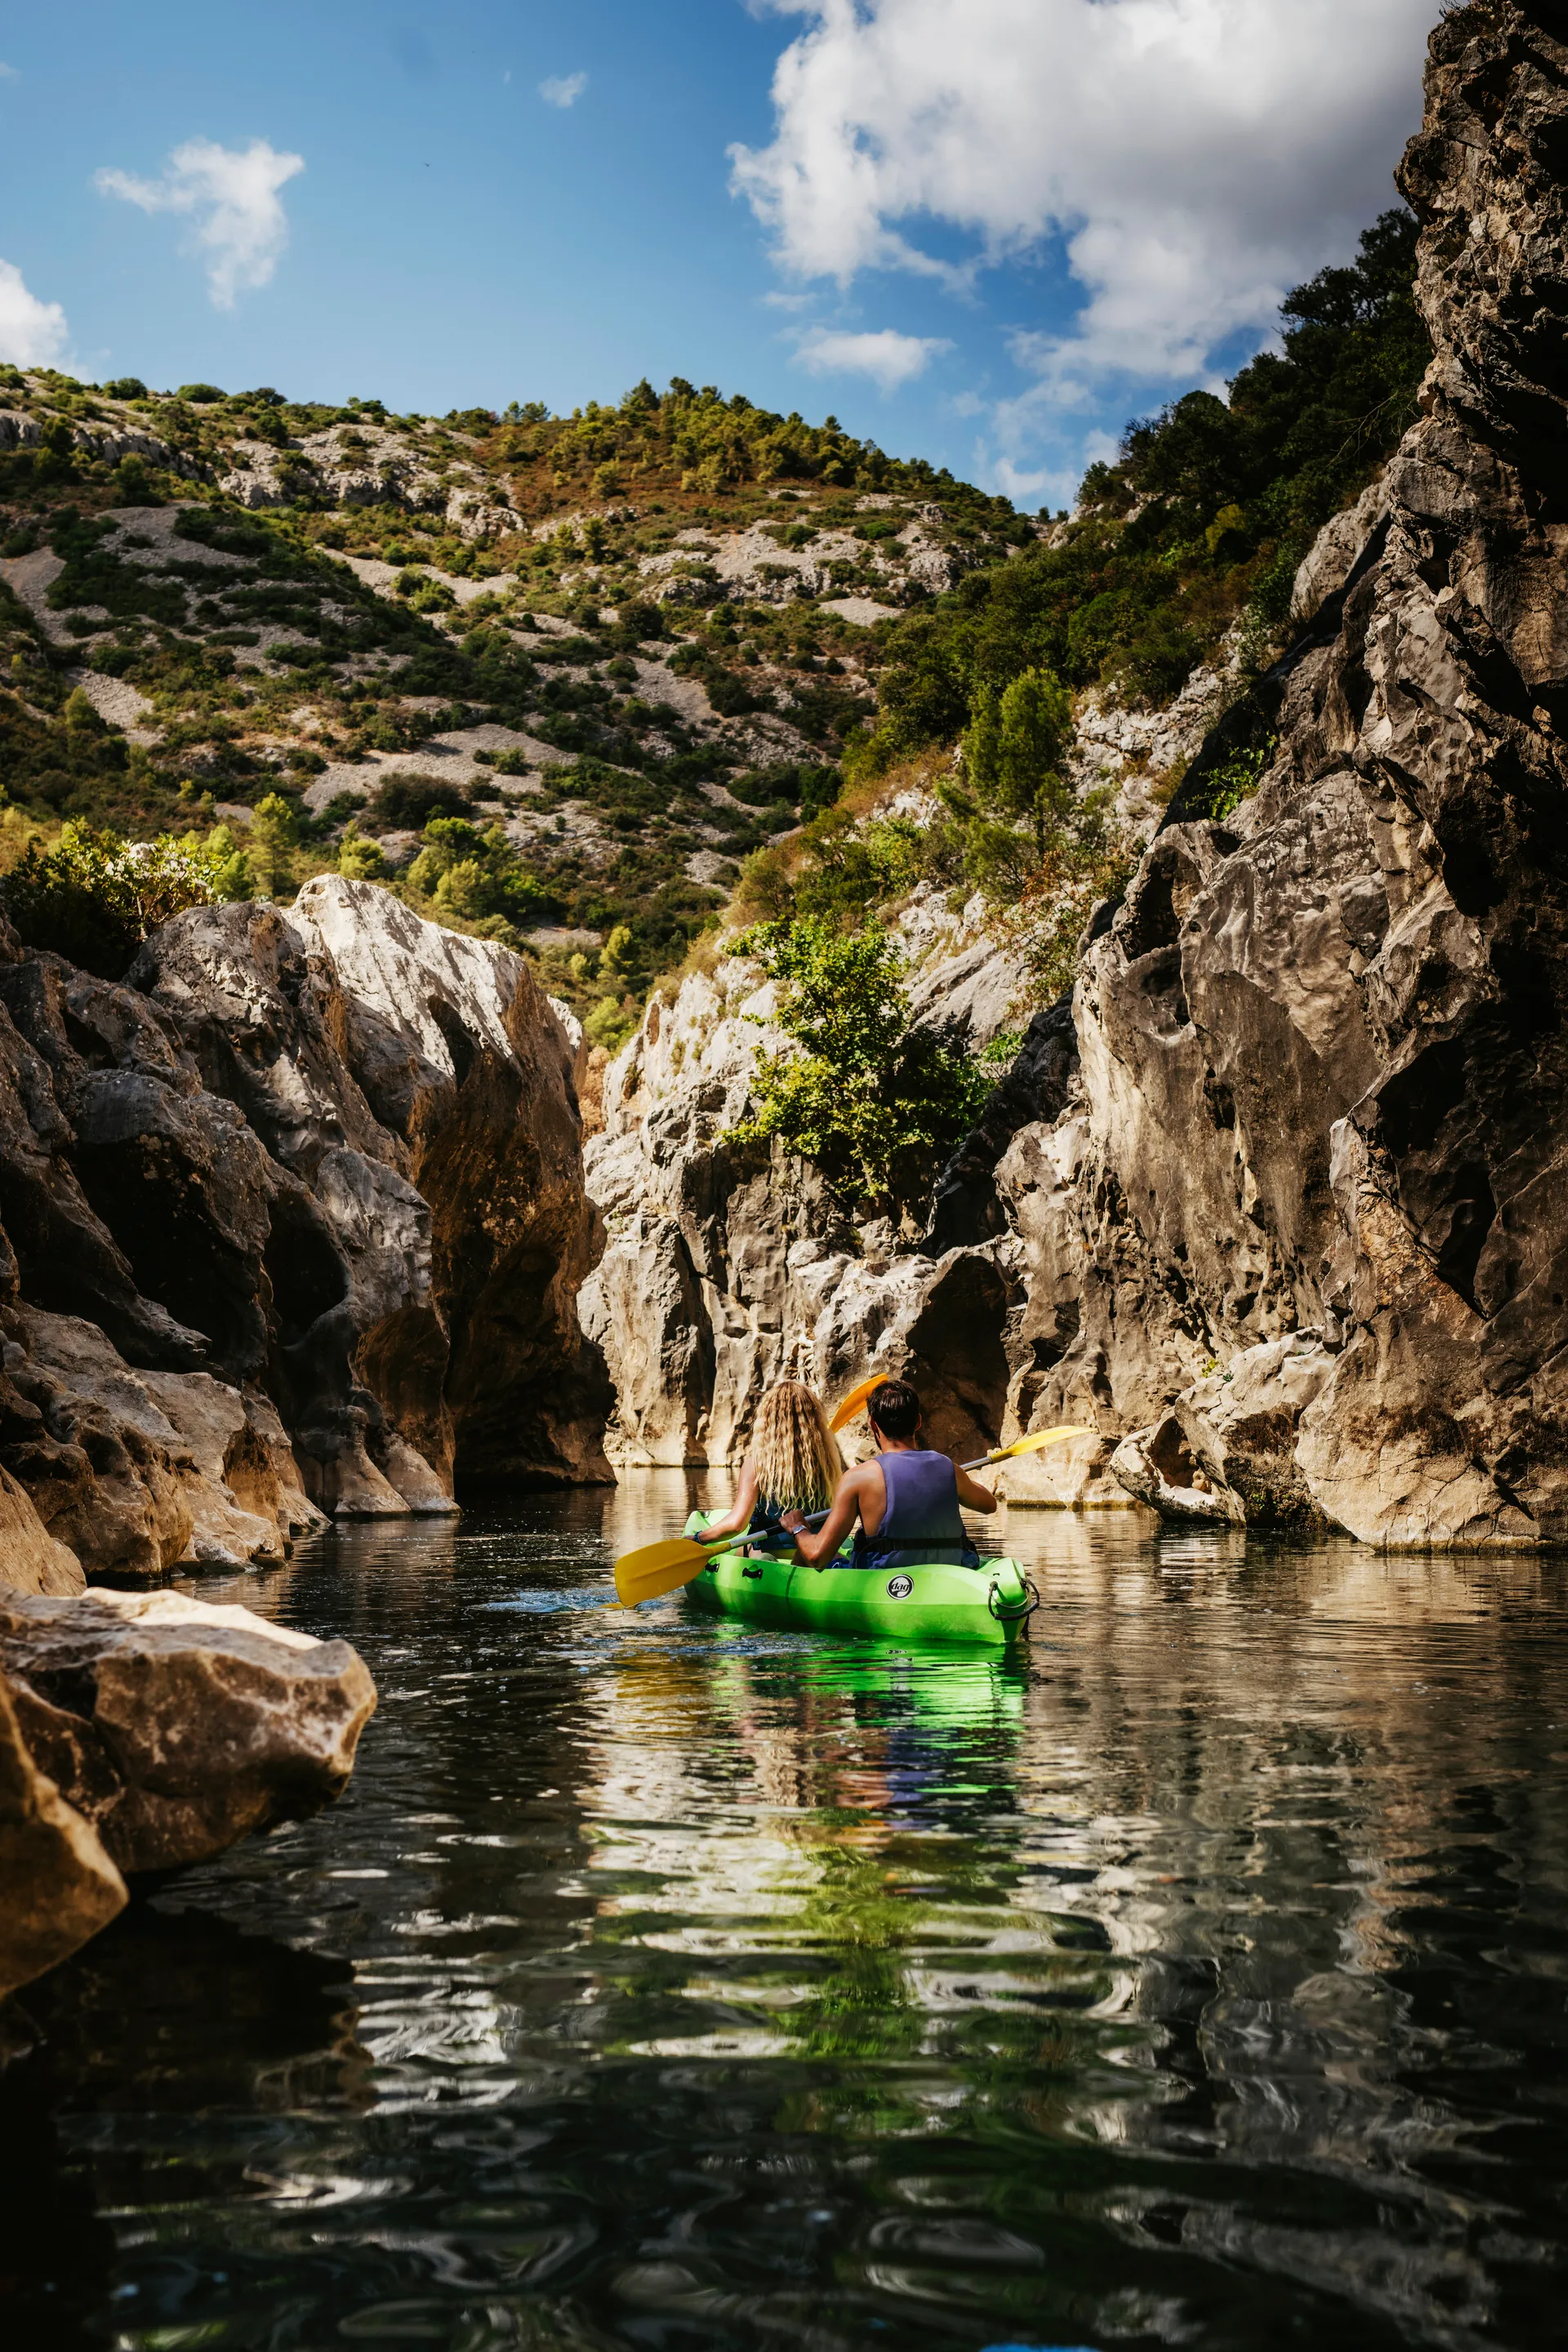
(1196, 1978)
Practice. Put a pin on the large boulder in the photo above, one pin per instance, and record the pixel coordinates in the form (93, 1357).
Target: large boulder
(172, 1727)
(31, 1559)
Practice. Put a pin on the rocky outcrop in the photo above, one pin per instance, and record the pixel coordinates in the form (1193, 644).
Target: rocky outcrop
(174, 1727)
(31, 1559)
(291, 1222)
(1320, 1131)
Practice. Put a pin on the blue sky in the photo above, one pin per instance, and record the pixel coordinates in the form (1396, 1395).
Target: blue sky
(983, 231)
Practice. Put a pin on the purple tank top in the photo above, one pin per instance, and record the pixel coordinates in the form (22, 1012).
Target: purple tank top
(922, 1520)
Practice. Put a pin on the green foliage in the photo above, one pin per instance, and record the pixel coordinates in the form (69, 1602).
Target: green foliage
(359, 858)
(787, 785)
(199, 394)
(405, 801)
(609, 1023)
(474, 876)
(274, 837)
(1208, 508)
(874, 1102)
(1015, 798)
(126, 387)
(94, 898)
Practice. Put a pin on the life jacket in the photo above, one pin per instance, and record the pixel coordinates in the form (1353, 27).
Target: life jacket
(922, 1520)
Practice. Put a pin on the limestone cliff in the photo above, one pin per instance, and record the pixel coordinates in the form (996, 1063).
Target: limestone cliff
(293, 1222)
(1286, 1213)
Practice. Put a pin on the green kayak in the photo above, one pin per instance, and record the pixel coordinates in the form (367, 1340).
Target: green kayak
(989, 1606)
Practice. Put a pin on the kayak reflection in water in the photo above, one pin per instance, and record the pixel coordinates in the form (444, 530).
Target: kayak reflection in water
(906, 1497)
(791, 1466)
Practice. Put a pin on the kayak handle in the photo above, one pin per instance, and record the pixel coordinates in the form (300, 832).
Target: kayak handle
(1006, 1616)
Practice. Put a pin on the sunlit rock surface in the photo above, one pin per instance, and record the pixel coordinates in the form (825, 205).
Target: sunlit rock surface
(174, 1727)
(1324, 1075)
(291, 1221)
(59, 1884)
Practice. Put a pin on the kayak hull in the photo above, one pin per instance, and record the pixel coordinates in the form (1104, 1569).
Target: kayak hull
(987, 1607)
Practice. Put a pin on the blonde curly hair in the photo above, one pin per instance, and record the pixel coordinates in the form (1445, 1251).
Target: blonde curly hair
(793, 1452)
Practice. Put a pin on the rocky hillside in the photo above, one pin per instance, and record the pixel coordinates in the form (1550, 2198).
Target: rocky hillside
(1276, 1201)
(293, 1224)
(621, 649)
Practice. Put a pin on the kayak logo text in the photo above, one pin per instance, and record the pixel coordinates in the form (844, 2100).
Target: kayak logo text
(900, 1586)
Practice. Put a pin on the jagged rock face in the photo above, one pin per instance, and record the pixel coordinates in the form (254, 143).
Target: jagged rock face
(731, 1265)
(293, 1221)
(31, 1560)
(1324, 1058)
(173, 1728)
(61, 1885)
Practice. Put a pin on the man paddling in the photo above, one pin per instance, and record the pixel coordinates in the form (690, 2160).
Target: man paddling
(906, 1499)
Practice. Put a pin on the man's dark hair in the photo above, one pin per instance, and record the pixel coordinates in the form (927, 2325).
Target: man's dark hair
(895, 1409)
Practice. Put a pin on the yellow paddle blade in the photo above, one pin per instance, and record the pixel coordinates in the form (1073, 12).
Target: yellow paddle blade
(1039, 1437)
(663, 1567)
(855, 1400)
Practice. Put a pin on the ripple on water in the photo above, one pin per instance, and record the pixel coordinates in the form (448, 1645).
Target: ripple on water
(1198, 1978)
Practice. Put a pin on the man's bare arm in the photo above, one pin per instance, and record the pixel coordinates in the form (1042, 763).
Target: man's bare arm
(973, 1497)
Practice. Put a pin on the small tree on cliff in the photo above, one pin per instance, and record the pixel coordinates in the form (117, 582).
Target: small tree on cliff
(875, 1103)
(1013, 797)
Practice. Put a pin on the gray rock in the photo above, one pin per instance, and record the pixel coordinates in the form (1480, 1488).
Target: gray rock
(174, 1727)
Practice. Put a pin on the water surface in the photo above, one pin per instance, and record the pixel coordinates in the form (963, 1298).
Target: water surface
(1202, 1980)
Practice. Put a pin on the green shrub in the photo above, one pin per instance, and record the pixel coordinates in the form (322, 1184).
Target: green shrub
(126, 387)
(359, 858)
(876, 1104)
(94, 898)
(200, 394)
(274, 837)
(403, 802)
(609, 1023)
(474, 874)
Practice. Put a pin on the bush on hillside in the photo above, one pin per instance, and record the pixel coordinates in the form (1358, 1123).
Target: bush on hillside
(406, 803)
(876, 1104)
(94, 898)
(1207, 511)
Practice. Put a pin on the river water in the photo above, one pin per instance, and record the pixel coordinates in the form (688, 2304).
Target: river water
(1200, 1980)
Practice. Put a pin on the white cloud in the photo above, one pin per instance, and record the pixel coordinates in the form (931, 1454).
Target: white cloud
(9, 73)
(232, 192)
(32, 333)
(1197, 157)
(564, 90)
(889, 359)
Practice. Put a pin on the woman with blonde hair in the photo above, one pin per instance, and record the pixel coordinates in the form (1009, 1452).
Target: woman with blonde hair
(793, 1463)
